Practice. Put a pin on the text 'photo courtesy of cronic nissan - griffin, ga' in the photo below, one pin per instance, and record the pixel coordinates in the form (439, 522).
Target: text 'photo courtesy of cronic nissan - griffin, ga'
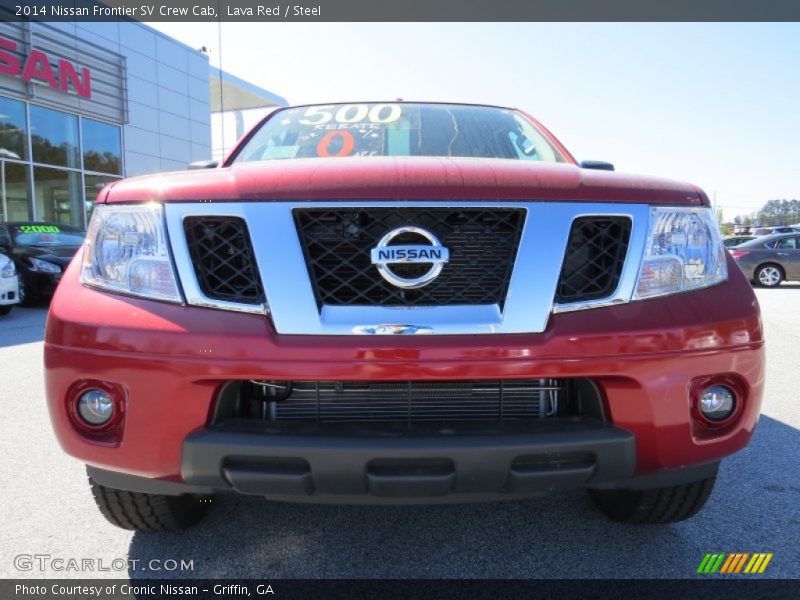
(397, 303)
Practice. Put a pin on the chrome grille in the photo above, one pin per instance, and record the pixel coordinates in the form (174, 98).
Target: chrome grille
(337, 401)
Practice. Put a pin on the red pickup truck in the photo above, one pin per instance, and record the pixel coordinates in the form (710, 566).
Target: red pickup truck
(402, 303)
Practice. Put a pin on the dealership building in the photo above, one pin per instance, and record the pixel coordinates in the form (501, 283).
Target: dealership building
(83, 104)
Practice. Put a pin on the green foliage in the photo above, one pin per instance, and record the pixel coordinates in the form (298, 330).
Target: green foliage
(780, 212)
(774, 212)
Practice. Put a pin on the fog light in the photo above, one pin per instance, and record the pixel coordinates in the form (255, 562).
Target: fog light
(717, 403)
(96, 407)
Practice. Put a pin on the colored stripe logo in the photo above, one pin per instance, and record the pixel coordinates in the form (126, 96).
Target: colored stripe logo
(733, 563)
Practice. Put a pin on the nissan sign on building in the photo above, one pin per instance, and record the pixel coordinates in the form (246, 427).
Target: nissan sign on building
(83, 104)
(37, 68)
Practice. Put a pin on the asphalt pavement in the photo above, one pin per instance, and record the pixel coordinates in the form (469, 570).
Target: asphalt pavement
(47, 509)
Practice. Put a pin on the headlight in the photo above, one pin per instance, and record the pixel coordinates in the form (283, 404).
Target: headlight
(126, 251)
(683, 252)
(8, 269)
(42, 266)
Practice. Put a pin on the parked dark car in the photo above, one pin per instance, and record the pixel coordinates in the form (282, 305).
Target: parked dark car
(735, 240)
(41, 253)
(767, 261)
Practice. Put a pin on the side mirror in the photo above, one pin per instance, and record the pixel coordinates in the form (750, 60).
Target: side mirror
(598, 165)
(203, 164)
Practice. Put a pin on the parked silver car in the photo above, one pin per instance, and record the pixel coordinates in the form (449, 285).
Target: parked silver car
(767, 261)
(762, 231)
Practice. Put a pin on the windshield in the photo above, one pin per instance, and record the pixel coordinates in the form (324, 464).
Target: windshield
(46, 234)
(401, 129)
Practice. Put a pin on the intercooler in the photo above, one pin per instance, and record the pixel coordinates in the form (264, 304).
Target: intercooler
(411, 401)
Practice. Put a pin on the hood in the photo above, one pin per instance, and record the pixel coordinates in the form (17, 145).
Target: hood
(403, 178)
(59, 255)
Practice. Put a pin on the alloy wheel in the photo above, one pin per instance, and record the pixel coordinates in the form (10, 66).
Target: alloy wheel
(769, 276)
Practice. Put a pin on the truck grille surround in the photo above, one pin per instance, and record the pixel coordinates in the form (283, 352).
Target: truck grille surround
(336, 245)
(399, 401)
(482, 242)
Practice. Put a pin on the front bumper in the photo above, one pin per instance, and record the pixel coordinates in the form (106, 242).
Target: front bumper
(345, 463)
(9, 290)
(41, 284)
(357, 464)
(171, 361)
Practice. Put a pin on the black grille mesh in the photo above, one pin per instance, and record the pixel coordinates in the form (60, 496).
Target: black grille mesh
(594, 258)
(482, 243)
(415, 401)
(223, 259)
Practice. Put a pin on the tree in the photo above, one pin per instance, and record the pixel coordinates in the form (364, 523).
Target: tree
(774, 212)
(779, 212)
(718, 214)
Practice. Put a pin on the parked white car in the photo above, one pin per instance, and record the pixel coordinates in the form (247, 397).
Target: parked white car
(9, 285)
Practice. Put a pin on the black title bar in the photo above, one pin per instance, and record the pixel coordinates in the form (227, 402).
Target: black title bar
(389, 589)
(402, 10)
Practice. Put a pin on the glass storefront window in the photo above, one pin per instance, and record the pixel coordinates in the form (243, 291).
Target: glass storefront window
(92, 184)
(14, 192)
(13, 140)
(102, 147)
(53, 164)
(58, 196)
(54, 137)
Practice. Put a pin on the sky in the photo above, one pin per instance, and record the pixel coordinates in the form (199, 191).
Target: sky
(714, 104)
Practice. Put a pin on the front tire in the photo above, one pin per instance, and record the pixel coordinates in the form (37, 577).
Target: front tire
(5, 309)
(148, 512)
(769, 275)
(659, 505)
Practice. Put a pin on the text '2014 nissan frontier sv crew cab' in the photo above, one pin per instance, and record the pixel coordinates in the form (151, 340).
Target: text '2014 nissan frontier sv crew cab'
(402, 303)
